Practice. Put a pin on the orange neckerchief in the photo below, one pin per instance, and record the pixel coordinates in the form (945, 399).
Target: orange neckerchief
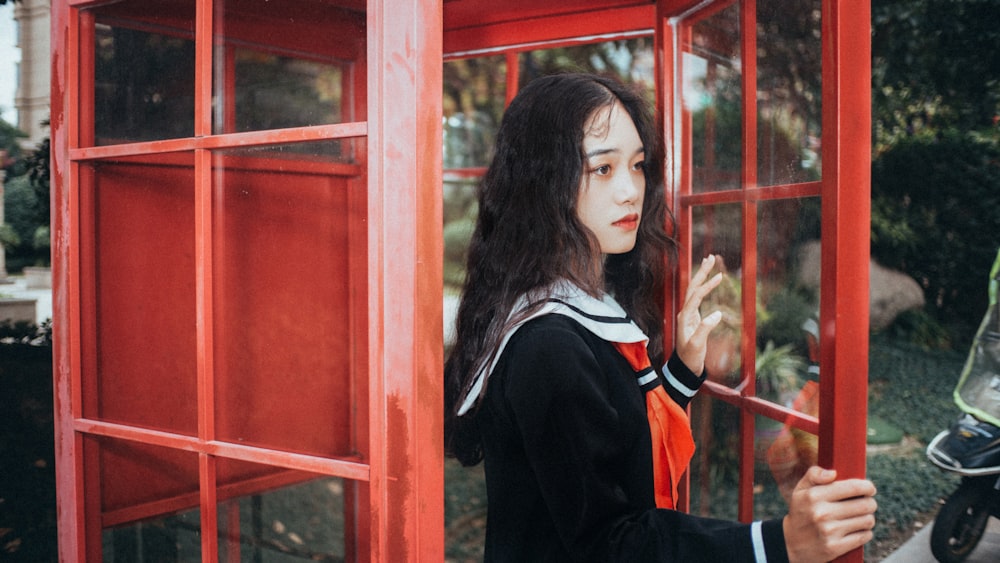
(669, 427)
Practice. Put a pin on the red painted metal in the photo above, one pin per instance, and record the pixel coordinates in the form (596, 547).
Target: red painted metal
(748, 273)
(389, 450)
(491, 29)
(68, 471)
(844, 191)
(231, 140)
(404, 276)
(471, 13)
(845, 225)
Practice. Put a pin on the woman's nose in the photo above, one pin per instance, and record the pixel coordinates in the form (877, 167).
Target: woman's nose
(628, 188)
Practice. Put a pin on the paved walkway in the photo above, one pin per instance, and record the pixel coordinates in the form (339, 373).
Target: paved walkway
(918, 548)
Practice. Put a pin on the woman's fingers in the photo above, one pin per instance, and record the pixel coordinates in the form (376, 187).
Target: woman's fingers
(827, 518)
(698, 280)
(693, 330)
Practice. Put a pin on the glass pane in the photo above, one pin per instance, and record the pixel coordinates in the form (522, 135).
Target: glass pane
(787, 367)
(789, 91)
(712, 98)
(286, 65)
(143, 71)
(286, 328)
(782, 455)
(460, 212)
(274, 92)
(149, 501)
(474, 94)
(267, 514)
(715, 466)
(631, 60)
(304, 156)
(788, 297)
(175, 539)
(716, 230)
(137, 268)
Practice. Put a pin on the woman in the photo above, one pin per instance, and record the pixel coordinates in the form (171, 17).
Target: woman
(583, 442)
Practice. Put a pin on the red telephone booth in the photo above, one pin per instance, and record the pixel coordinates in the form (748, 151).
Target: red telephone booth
(248, 250)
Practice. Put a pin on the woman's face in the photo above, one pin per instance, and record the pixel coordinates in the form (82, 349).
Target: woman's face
(613, 183)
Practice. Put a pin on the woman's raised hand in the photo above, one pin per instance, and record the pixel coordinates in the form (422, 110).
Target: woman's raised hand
(692, 329)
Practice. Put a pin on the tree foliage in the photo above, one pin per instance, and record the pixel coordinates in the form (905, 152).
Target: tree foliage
(935, 63)
(936, 216)
(10, 145)
(37, 165)
(936, 167)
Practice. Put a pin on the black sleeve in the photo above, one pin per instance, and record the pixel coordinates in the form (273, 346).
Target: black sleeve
(558, 398)
(679, 381)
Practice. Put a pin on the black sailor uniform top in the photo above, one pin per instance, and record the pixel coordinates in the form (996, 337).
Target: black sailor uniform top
(569, 465)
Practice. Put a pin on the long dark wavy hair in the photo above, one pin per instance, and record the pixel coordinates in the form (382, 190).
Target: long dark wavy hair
(528, 235)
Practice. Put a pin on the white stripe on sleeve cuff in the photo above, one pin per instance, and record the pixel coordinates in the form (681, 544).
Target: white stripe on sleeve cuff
(757, 535)
(677, 384)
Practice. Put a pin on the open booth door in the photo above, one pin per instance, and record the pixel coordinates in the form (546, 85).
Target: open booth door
(767, 117)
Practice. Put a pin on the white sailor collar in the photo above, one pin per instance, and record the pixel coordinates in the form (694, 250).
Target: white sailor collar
(603, 317)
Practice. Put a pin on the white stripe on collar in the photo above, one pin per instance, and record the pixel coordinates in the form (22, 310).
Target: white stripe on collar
(603, 317)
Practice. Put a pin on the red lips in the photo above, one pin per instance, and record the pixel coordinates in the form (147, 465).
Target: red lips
(628, 222)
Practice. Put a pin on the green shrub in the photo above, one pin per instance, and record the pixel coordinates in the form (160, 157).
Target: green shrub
(787, 310)
(21, 213)
(907, 487)
(936, 216)
(919, 328)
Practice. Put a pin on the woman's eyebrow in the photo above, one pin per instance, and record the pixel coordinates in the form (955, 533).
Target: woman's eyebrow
(598, 152)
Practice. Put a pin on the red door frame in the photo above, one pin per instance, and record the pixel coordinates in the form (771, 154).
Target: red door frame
(845, 192)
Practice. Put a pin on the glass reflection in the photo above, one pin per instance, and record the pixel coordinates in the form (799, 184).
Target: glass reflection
(148, 501)
(715, 466)
(272, 515)
(275, 92)
(175, 539)
(631, 60)
(783, 453)
(473, 102)
(712, 97)
(293, 64)
(789, 92)
(788, 297)
(143, 72)
(787, 365)
(716, 230)
(460, 212)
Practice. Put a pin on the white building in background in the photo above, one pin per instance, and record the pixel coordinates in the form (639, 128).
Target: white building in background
(33, 73)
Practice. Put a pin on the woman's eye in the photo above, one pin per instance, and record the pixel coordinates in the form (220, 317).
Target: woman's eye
(639, 165)
(602, 170)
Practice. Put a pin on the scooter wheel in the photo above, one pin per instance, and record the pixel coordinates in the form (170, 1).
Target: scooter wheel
(960, 523)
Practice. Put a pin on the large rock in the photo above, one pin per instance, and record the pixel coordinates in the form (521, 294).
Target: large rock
(890, 292)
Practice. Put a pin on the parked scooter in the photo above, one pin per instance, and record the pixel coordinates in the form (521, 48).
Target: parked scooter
(971, 447)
